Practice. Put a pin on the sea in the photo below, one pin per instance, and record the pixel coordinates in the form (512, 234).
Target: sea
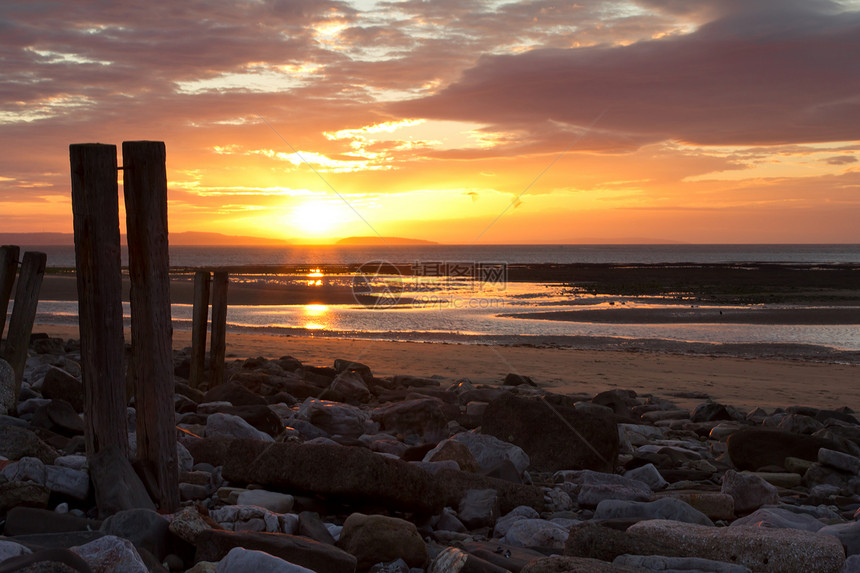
(476, 308)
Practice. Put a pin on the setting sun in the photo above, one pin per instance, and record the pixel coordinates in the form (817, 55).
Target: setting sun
(315, 218)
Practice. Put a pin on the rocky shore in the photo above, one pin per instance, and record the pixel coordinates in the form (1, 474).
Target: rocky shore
(293, 467)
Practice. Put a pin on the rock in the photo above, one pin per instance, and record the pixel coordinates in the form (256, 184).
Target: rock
(261, 417)
(453, 450)
(418, 421)
(852, 564)
(334, 418)
(271, 500)
(517, 380)
(234, 393)
(398, 566)
(818, 474)
(143, 527)
(839, 461)
(9, 549)
(786, 480)
(502, 555)
(229, 426)
(536, 533)
(75, 462)
(351, 387)
(847, 533)
(26, 494)
(239, 559)
(754, 448)
(347, 473)
(490, 451)
(717, 506)
(709, 412)
(649, 475)
(8, 398)
(554, 436)
(749, 491)
(558, 564)
(800, 424)
(26, 469)
(414, 381)
(758, 548)
(619, 401)
(112, 554)
(187, 524)
(664, 508)
(17, 443)
(778, 518)
(504, 523)
(59, 416)
(310, 525)
(117, 486)
(214, 545)
(478, 508)
(678, 564)
(591, 540)
(31, 521)
(597, 486)
(67, 481)
(378, 538)
(59, 384)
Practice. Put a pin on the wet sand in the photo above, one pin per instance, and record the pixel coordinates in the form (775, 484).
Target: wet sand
(712, 315)
(741, 382)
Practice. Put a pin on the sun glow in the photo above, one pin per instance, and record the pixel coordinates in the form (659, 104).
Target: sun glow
(315, 218)
(315, 315)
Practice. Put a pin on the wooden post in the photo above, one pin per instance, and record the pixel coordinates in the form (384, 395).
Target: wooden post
(219, 328)
(95, 207)
(198, 327)
(8, 267)
(145, 188)
(24, 313)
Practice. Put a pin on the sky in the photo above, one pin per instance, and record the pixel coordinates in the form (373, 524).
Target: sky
(457, 121)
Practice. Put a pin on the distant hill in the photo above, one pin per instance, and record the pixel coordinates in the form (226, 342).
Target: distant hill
(383, 241)
(187, 238)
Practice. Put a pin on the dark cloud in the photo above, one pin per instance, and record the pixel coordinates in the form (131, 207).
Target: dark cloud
(841, 160)
(766, 77)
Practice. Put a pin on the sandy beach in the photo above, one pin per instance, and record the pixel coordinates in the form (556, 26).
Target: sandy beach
(741, 382)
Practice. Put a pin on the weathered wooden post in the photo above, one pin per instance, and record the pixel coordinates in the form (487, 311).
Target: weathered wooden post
(8, 267)
(24, 313)
(145, 188)
(95, 207)
(219, 328)
(200, 321)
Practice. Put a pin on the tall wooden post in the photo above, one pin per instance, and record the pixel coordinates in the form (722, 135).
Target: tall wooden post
(95, 207)
(24, 313)
(145, 187)
(199, 323)
(219, 328)
(8, 267)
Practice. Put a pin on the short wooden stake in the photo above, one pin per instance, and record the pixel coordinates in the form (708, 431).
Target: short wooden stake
(199, 325)
(95, 207)
(145, 188)
(8, 267)
(219, 328)
(24, 313)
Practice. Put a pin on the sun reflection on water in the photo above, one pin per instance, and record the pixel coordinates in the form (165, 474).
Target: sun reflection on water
(315, 315)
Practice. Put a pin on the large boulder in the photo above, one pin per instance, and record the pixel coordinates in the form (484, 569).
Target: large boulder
(758, 548)
(379, 538)
(352, 474)
(554, 436)
(664, 508)
(17, 443)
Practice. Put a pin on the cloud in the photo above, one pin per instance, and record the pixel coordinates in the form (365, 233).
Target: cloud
(841, 160)
(783, 72)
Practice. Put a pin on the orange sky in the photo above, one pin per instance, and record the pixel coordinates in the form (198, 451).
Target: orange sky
(456, 121)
